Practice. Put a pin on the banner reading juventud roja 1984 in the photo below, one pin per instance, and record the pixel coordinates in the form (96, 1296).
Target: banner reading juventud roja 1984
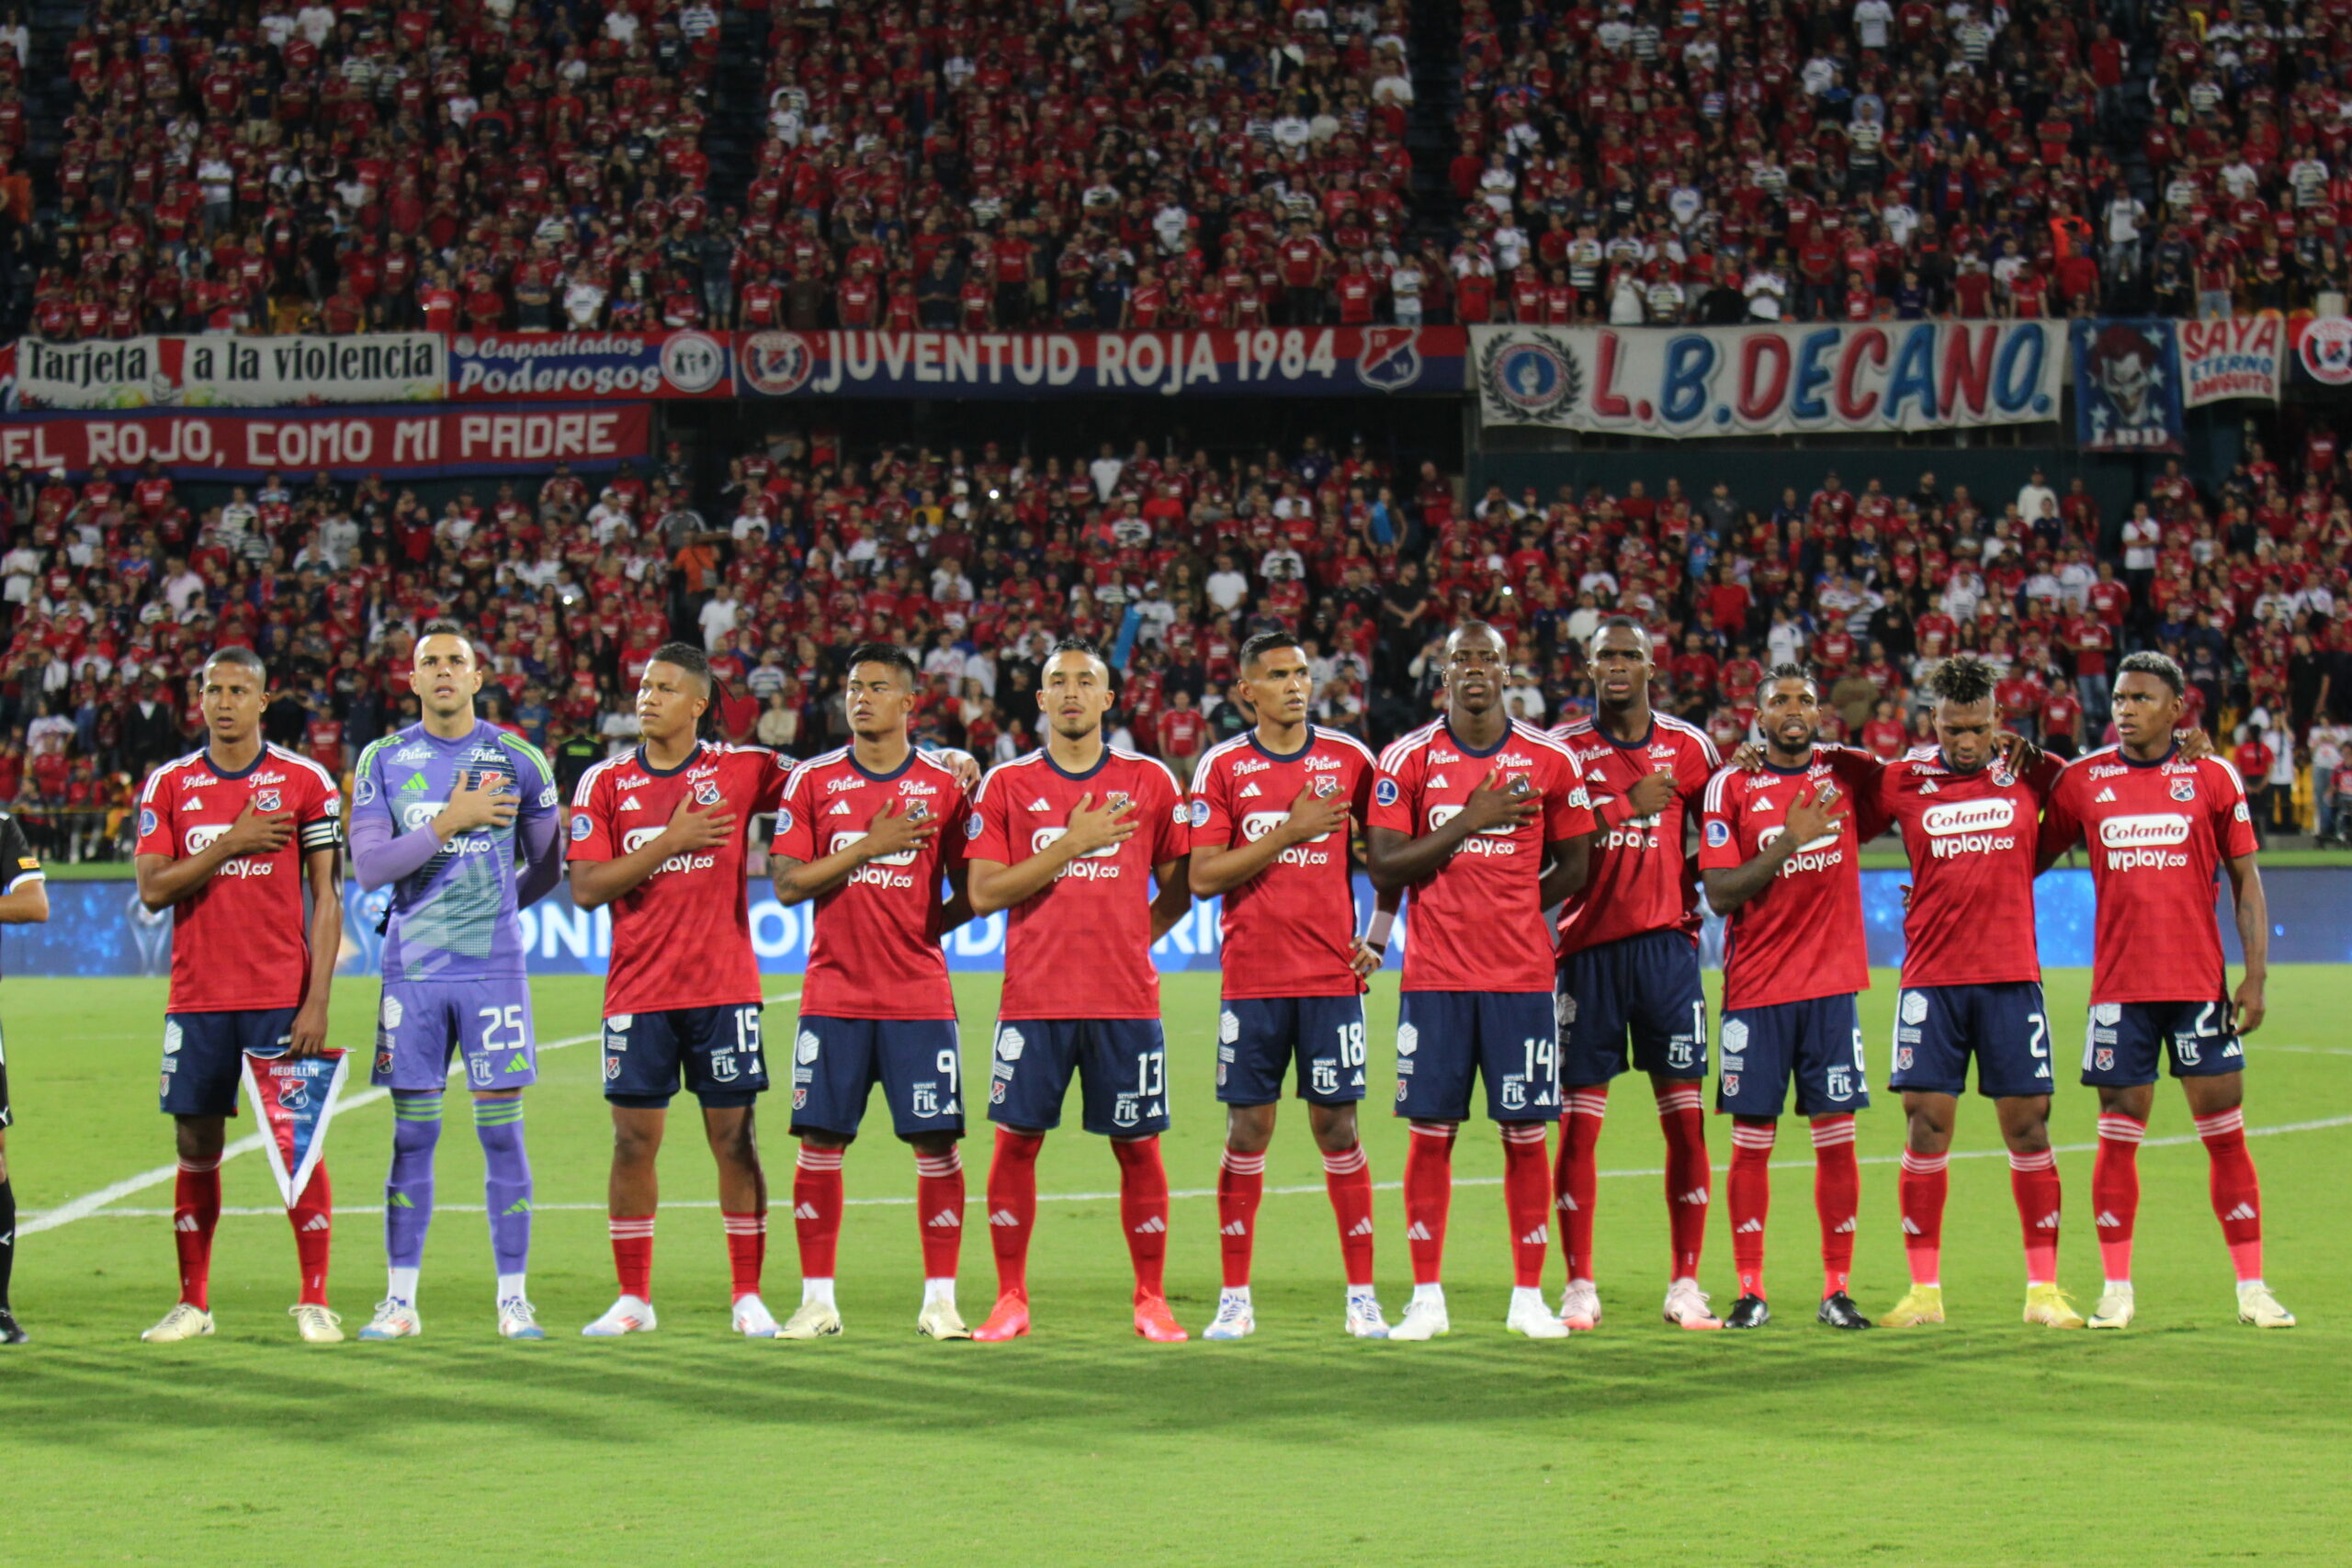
(1768, 380)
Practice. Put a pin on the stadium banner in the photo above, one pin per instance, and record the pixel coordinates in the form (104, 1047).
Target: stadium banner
(217, 370)
(2244, 356)
(2127, 387)
(294, 1101)
(400, 442)
(569, 367)
(2323, 348)
(101, 928)
(1769, 379)
(1268, 361)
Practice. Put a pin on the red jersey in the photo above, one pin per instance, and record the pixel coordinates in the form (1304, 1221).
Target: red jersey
(874, 945)
(2158, 833)
(1100, 901)
(1802, 937)
(681, 938)
(1289, 931)
(1477, 925)
(240, 943)
(1638, 881)
(1971, 842)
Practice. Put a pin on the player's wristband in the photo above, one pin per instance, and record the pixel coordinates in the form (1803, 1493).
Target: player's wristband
(1375, 936)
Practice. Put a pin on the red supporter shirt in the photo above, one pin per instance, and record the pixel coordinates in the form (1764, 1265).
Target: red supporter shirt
(1802, 937)
(241, 942)
(1972, 838)
(874, 946)
(1080, 949)
(1289, 931)
(681, 938)
(1639, 881)
(1477, 924)
(2158, 833)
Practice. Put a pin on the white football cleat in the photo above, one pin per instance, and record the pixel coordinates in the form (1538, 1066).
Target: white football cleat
(815, 1320)
(1530, 1316)
(631, 1314)
(1685, 1306)
(394, 1320)
(1233, 1319)
(1581, 1306)
(183, 1322)
(2114, 1308)
(518, 1319)
(750, 1318)
(316, 1325)
(940, 1320)
(2257, 1307)
(1425, 1316)
(1364, 1319)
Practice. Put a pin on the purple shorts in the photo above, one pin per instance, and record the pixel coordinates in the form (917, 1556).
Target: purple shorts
(422, 1023)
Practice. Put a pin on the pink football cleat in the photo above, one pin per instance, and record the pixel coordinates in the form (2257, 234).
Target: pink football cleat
(1009, 1320)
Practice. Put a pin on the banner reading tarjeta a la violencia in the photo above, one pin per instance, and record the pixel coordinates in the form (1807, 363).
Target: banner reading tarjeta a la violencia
(219, 370)
(1769, 379)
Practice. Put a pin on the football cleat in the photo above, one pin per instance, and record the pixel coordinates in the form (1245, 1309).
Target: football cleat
(2113, 1309)
(1923, 1304)
(1838, 1311)
(1581, 1306)
(1156, 1322)
(11, 1331)
(518, 1319)
(631, 1314)
(815, 1320)
(1364, 1319)
(394, 1320)
(750, 1318)
(1685, 1306)
(1233, 1319)
(1424, 1318)
(2047, 1305)
(1009, 1320)
(1529, 1315)
(2257, 1307)
(316, 1325)
(183, 1322)
(940, 1320)
(1749, 1312)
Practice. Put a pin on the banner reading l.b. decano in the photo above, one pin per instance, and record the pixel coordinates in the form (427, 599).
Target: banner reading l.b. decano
(1768, 380)
(246, 444)
(215, 370)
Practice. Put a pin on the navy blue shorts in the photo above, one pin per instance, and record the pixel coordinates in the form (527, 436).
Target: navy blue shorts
(836, 1062)
(1938, 1028)
(1816, 1043)
(1645, 987)
(1257, 1037)
(2125, 1039)
(715, 1052)
(1509, 1039)
(1124, 1062)
(204, 1056)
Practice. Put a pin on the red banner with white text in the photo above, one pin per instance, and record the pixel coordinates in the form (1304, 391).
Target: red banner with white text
(241, 444)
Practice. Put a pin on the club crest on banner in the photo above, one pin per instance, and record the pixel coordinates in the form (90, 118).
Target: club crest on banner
(294, 1101)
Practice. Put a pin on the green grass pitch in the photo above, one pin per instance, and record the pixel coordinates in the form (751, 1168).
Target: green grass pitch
(2187, 1440)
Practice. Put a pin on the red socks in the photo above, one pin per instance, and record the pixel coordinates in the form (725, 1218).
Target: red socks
(633, 1254)
(313, 1219)
(817, 1209)
(1751, 1195)
(1013, 1207)
(1575, 1177)
(1836, 1198)
(2115, 1190)
(1348, 1178)
(747, 1246)
(1527, 1199)
(2238, 1194)
(196, 1213)
(1428, 1192)
(2034, 1182)
(1922, 1190)
(1683, 1117)
(1143, 1210)
(1240, 1182)
(939, 1208)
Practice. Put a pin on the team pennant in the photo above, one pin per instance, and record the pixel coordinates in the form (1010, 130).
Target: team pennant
(294, 1099)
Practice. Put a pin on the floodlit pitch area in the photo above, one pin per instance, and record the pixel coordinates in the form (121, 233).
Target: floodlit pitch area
(2187, 1438)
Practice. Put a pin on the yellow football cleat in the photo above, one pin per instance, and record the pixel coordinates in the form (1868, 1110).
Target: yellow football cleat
(1920, 1304)
(815, 1320)
(2047, 1305)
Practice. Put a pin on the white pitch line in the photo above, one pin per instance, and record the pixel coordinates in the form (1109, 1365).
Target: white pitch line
(982, 1198)
(90, 1204)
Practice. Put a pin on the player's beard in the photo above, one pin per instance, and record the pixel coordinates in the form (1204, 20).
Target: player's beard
(1078, 728)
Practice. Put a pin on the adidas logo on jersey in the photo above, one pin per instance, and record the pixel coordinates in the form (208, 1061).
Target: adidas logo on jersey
(839, 808)
(1236, 1228)
(2105, 798)
(1437, 781)
(1248, 791)
(1152, 1227)
(946, 1219)
(629, 803)
(1004, 1217)
(1417, 1232)
(1039, 804)
(1927, 786)
(2242, 1212)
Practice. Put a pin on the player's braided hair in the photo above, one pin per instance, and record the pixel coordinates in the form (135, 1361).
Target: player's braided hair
(2150, 662)
(1963, 679)
(888, 653)
(686, 656)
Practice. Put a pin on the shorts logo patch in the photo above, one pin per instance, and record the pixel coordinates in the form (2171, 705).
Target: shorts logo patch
(805, 1048)
(2103, 1059)
(1009, 1044)
(1401, 1086)
(2107, 1013)
(1735, 1036)
(1914, 1006)
(1564, 1009)
(1840, 1085)
(1229, 1026)
(384, 1061)
(1731, 1085)
(996, 1093)
(612, 1069)
(800, 1097)
(391, 1012)
(620, 1023)
(172, 1039)
(1408, 1039)
(1903, 1058)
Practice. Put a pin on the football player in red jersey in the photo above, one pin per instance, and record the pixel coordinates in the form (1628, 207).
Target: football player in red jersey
(1269, 817)
(1778, 853)
(860, 841)
(1629, 965)
(2159, 828)
(658, 835)
(228, 838)
(1482, 819)
(1066, 839)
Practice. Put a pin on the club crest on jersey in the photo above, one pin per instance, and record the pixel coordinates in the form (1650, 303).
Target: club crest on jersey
(707, 793)
(1117, 800)
(2184, 789)
(267, 800)
(2003, 778)
(1324, 785)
